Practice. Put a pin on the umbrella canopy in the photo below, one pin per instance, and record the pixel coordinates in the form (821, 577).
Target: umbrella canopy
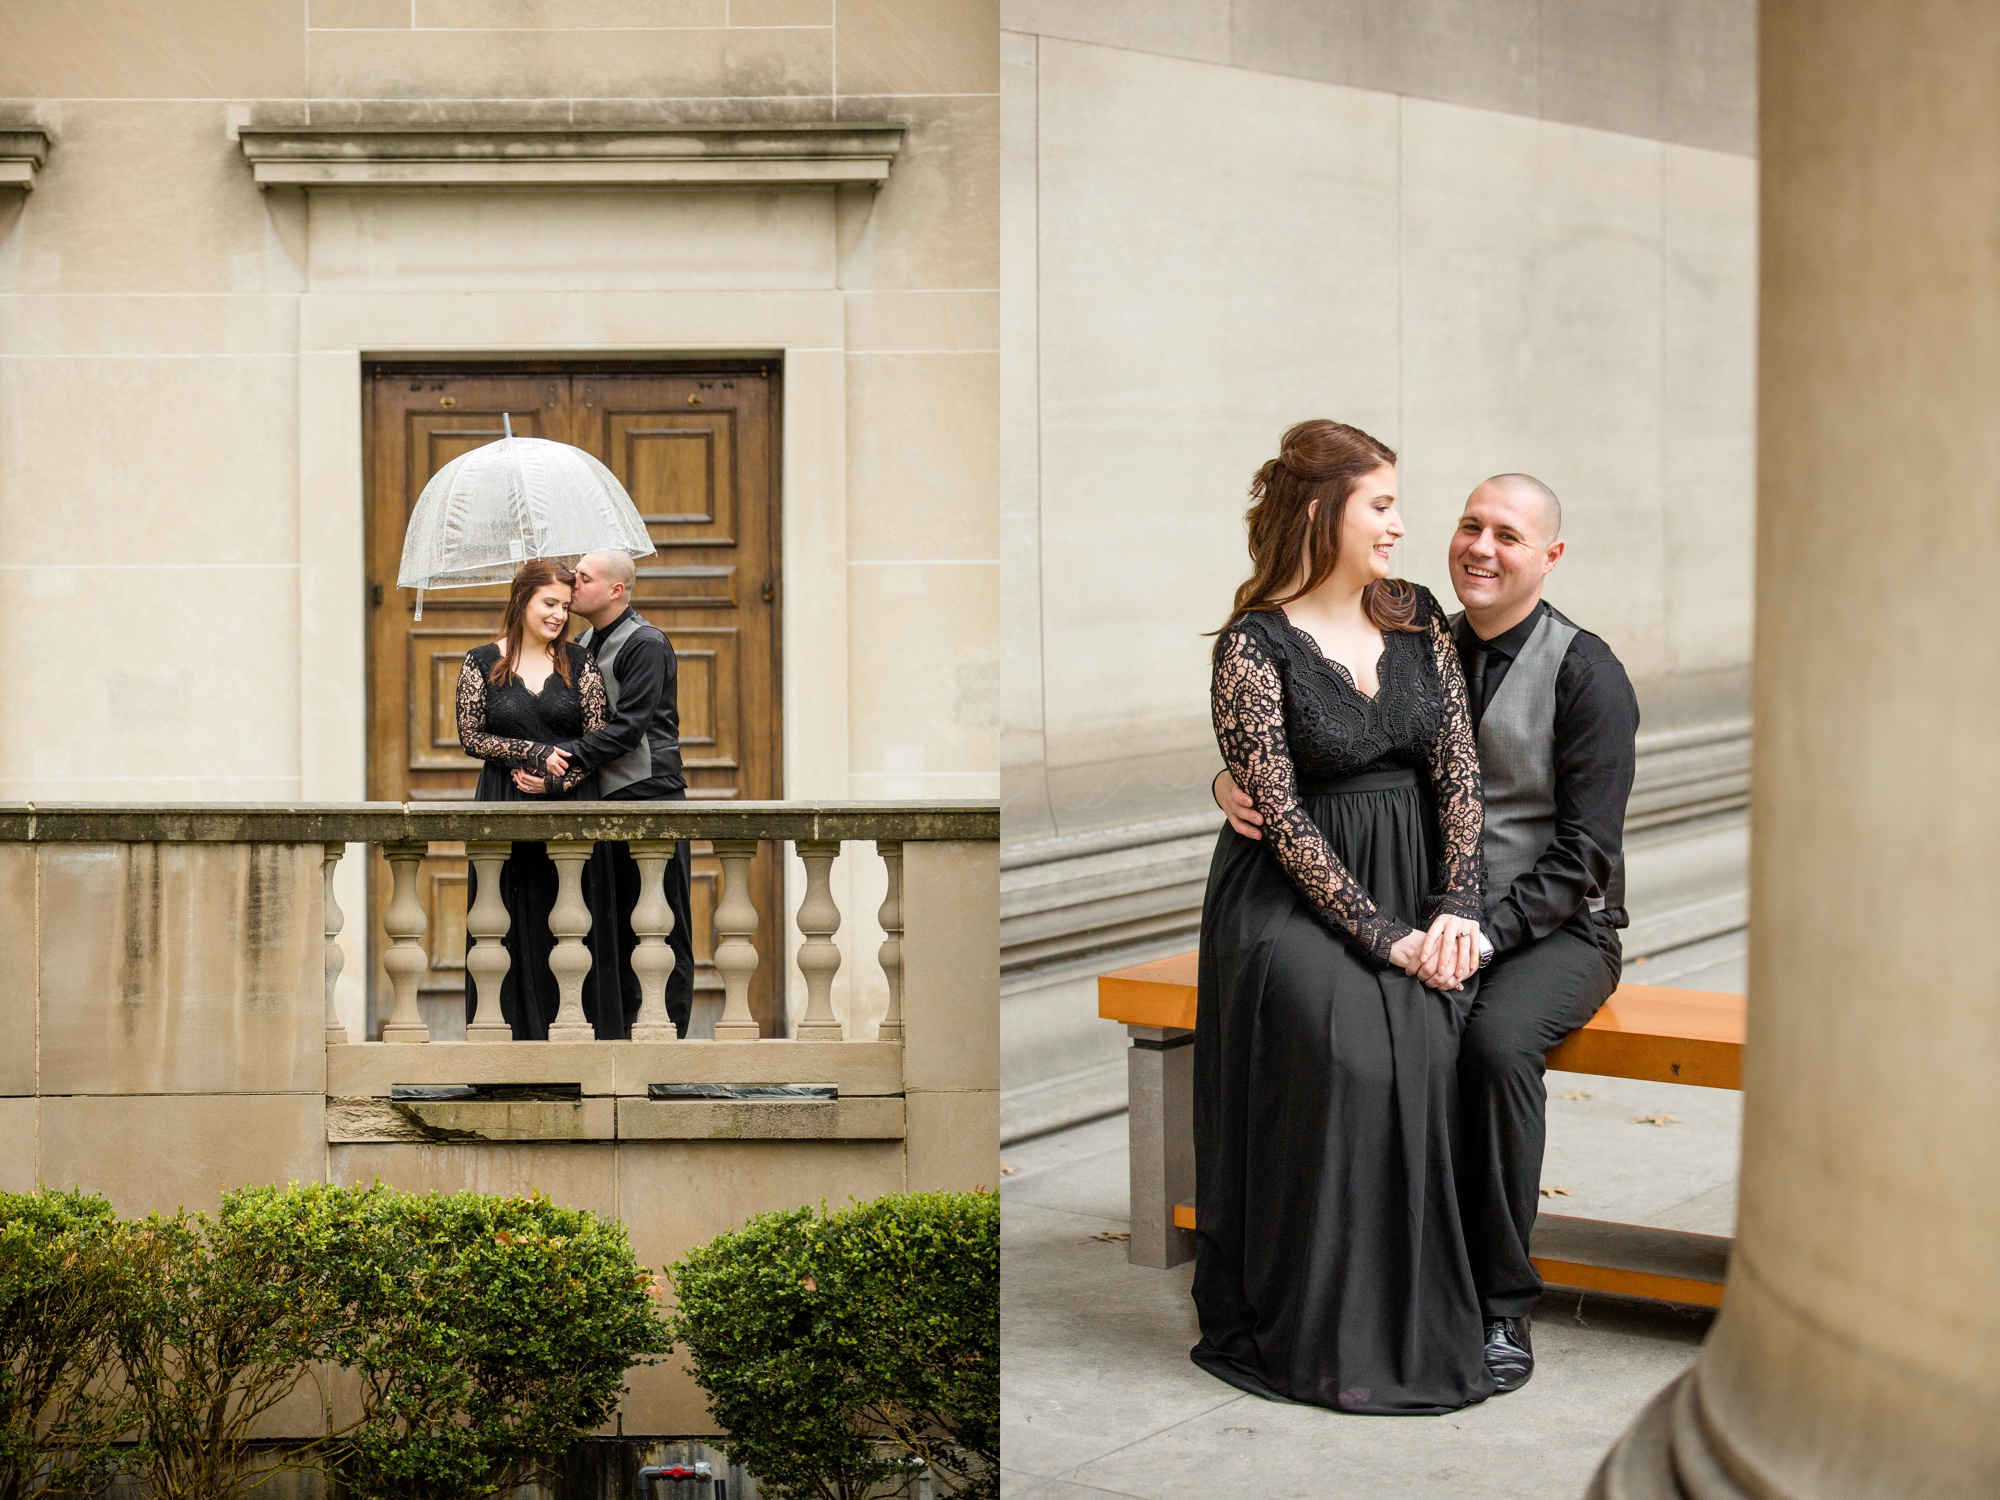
(488, 511)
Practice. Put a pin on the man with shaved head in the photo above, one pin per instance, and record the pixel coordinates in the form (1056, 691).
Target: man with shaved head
(637, 757)
(1555, 718)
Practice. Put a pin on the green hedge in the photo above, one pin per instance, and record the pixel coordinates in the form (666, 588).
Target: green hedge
(843, 1350)
(488, 1334)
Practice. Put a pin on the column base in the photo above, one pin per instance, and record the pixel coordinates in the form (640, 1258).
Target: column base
(810, 1031)
(408, 1031)
(572, 1031)
(1665, 1454)
(737, 1031)
(489, 1032)
(654, 1031)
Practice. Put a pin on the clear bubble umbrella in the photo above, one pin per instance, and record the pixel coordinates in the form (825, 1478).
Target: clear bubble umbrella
(488, 511)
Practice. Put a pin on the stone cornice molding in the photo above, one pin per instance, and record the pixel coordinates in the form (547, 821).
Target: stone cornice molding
(21, 155)
(528, 156)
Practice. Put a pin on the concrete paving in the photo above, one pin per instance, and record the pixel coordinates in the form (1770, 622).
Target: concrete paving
(1099, 1397)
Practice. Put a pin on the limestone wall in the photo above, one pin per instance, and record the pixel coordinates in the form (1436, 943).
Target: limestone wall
(180, 363)
(1500, 237)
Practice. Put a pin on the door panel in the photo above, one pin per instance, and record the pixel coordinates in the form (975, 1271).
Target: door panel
(697, 453)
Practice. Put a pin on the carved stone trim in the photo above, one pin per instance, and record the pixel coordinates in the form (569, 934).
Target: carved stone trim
(22, 153)
(537, 157)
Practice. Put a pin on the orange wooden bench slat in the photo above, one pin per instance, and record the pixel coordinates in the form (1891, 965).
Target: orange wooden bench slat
(1643, 1031)
(1585, 1276)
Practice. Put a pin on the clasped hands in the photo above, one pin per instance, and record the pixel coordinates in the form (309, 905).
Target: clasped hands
(535, 786)
(1443, 958)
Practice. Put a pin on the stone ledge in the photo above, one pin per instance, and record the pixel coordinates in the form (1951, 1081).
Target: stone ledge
(471, 1122)
(761, 1120)
(538, 156)
(22, 153)
(392, 822)
(468, 1121)
(858, 1069)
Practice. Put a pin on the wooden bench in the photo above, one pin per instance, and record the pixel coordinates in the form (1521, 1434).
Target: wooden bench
(1643, 1031)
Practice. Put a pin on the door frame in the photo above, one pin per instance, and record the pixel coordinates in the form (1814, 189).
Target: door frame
(771, 371)
(804, 331)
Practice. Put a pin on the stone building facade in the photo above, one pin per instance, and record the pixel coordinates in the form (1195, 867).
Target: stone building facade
(227, 227)
(1512, 236)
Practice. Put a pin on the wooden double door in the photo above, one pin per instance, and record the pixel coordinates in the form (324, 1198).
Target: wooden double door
(697, 450)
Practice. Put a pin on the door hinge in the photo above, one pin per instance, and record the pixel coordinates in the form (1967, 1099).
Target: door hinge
(770, 591)
(374, 593)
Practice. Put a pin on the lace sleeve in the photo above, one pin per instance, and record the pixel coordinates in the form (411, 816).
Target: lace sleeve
(472, 733)
(1248, 706)
(1454, 772)
(589, 688)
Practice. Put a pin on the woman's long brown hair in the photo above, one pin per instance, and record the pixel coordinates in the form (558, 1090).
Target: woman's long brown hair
(1323, 461)
(534, 575)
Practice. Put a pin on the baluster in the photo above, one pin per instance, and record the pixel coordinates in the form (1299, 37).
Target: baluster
(819, 958)
(569, 921)
(653, 923)
(891, 918)
(488, 958)
(406, 959)
(336, 1033)
(735, 957)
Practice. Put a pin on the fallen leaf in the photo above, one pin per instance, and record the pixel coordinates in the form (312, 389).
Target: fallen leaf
(1635, 960)
(503, 1238)
(1656, 1119)
(809, 1284)
(1578, 1094)
(1111, 1235)
(1008, 1169)
(1557, 1192)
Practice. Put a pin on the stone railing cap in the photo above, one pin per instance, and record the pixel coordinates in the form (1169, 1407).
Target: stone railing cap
(452, 822)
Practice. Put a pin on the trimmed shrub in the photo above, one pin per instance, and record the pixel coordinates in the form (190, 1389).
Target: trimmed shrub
(490, 1334)
(61, 1293)
(840, 1350)
(222, 1319)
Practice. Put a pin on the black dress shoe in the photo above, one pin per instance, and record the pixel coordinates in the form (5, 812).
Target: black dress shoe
(1510, 1359)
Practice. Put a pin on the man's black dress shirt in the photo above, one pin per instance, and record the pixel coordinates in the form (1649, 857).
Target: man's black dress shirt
(1597, 716)
(647, 686)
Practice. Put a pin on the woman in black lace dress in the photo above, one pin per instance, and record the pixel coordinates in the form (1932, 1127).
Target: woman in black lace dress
(518, 698)
(1338, 959)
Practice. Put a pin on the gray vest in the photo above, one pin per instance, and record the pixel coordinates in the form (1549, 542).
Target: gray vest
(1517, 744)
(635, 764)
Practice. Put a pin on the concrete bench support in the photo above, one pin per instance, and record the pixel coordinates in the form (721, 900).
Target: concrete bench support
(1160, 1068)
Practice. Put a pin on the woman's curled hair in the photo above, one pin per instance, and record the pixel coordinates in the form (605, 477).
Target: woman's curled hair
(1292, 546)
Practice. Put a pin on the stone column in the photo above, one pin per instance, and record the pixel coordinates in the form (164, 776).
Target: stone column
(735, 924)
(653, 924)
(819, 955)
(569, 920)
(1858, 1353)
(488, 960)
(406, 960)
(891, 953)
(336, 1029)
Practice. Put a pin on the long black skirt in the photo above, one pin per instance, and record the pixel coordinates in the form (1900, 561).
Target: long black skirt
(1330, 1265)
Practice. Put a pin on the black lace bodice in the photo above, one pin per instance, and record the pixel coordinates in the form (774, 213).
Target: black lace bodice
(515, 727)
(1285, 715)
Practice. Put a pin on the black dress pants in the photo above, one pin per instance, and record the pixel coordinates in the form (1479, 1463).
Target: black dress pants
(1529, 999)
(611, 990)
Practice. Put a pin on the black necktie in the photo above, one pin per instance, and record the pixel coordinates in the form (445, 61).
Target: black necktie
(1475, 680)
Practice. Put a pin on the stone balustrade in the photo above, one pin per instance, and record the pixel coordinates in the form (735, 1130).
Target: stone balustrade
(407, 832)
